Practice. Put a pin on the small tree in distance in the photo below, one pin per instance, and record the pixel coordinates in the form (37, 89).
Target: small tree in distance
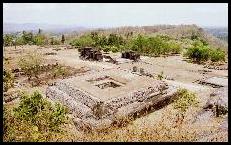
(63, 39)
(39, 31)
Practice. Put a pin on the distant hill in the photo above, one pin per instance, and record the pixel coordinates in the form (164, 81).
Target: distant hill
(219, 32)
(13, 27)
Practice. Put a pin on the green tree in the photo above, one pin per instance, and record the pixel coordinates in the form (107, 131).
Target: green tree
(8, 39)
(198, 52)
(28, 37)
(40, 31)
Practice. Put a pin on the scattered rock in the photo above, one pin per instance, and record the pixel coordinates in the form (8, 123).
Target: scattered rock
(220, 67)
(50, 53)
(218, 102)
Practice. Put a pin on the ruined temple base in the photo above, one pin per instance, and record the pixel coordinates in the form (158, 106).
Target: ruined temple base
(99, 100)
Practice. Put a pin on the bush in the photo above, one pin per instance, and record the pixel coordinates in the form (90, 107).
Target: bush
(19, 41)
(39, 39)
(175, 48)
(198, 53)
(59, 71)
(35, 119)
(185, 100)
(54, 41)
(160, 76)
(8, 40)
(201, 52)
(30, 64)
(83, 41)
(217, 55)
(8, 80)
(114, 49)
(28, 38)
(106, 49)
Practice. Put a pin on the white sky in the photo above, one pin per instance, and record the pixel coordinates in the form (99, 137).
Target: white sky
(117, 14)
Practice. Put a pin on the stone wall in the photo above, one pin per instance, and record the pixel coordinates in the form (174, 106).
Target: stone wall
(77, 94)
(137, 96)
(78, 109)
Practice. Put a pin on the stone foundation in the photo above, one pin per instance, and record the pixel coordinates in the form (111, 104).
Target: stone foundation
(95, 108)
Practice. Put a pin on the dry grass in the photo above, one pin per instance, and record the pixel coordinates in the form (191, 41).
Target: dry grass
(167, 129)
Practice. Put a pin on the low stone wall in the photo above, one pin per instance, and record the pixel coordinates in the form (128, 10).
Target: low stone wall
(78, 109)
(77, 94)
(140, 95)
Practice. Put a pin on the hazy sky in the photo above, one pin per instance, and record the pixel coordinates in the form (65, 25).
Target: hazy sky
(117, 14)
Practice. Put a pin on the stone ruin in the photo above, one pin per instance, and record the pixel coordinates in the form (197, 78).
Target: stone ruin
(90, 53)
(99, 100)
(131, 55)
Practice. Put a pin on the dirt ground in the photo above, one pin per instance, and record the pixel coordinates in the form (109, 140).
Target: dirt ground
(182, 73)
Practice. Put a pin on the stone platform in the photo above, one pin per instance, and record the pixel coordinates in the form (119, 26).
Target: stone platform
(99, 99)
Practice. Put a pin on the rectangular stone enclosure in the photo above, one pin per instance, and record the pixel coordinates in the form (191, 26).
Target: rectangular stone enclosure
(98, 99)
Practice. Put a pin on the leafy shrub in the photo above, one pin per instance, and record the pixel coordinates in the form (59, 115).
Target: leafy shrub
(8, 39)
(161, 75)
(175, 48)
(106, 48)
(115, 40)
(35, 119)
(19, 41)
(8, 79)
(59, 71)
(39, 40)
(185, 100)
(114, 49)
(30, 64)
(201, 52)
(83, 41)
(28, 38)
(101, 41)
(54, 41)
(198, 53)
(217, 55)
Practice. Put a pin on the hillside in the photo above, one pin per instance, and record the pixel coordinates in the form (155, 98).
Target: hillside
(175, 31)
(219, 32)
